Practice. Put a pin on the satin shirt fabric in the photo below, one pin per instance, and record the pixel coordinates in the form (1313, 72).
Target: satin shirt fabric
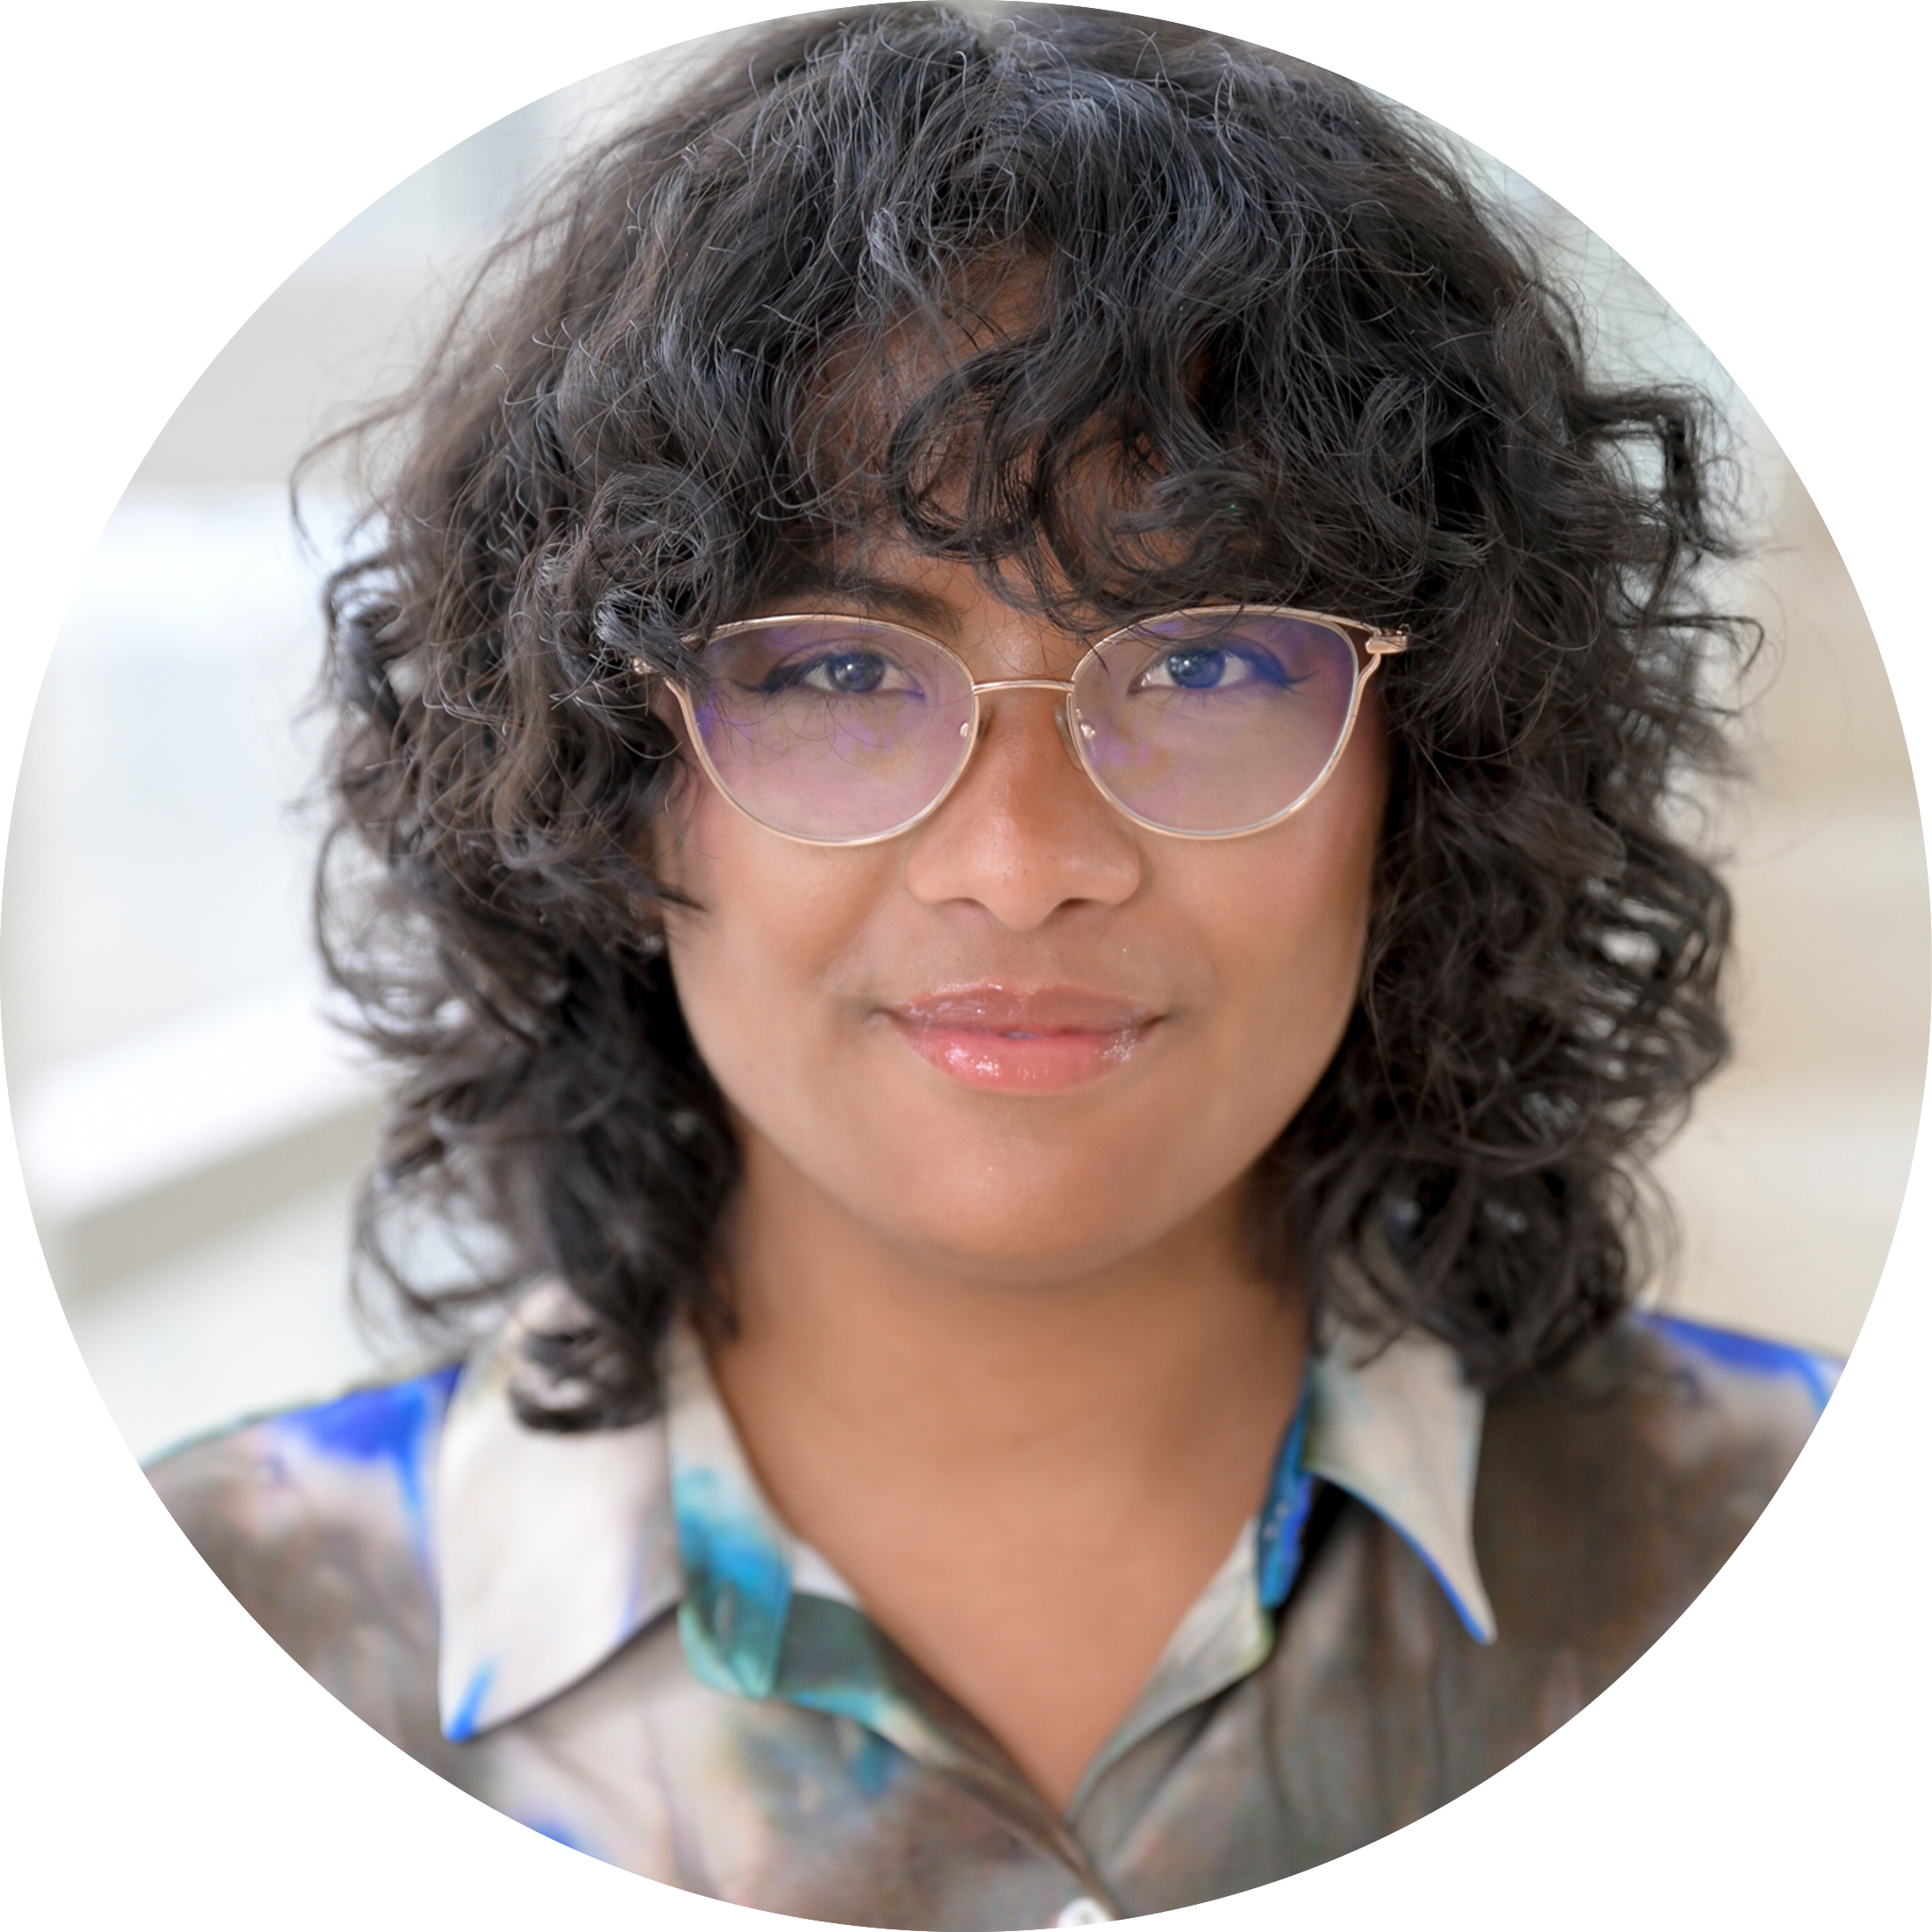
(611, 1637)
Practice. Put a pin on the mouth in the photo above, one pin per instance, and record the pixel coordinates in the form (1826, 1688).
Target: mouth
(1042, 1041)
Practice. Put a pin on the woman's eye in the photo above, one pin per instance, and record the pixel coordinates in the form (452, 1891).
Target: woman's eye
(1211, 667)
(839, 674)
(850, 673)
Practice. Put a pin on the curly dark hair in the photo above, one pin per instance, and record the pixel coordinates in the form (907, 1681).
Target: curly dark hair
(1316, 366)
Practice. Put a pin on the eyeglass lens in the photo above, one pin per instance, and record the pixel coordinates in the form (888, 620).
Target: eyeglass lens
(1203, 721)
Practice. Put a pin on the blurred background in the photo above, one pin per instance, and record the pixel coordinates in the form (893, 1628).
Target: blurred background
(191, 1129)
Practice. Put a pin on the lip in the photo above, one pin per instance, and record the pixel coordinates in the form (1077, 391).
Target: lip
(1038, 1040)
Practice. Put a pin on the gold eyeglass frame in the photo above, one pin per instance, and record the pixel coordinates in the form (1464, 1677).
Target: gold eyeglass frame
(1370, 646)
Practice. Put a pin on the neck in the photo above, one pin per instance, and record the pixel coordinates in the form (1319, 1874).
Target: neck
(1084, 1438)
(942, 1360)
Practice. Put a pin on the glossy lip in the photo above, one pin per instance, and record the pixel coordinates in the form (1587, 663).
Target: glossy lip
(1038, 1041)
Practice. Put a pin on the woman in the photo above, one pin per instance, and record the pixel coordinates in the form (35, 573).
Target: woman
(1019, 707)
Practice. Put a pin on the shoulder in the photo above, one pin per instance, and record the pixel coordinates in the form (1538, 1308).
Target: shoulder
(1849, 1434)
(68, 1853)
(1722, 1424)
(271, 1496)
(242, 1602)
(1612, 1492)
(222, 1571)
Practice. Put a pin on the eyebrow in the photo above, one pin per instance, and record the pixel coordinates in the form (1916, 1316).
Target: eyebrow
(872, 595)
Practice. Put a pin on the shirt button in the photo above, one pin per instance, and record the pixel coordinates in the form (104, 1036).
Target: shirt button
(1085, 1910)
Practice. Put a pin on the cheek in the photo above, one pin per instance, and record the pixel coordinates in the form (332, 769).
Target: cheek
(769, 923)
(1283, 919)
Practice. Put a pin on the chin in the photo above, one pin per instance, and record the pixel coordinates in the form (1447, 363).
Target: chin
(1021, 1247)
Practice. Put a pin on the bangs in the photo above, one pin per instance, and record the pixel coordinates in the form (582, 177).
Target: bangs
(952, 429)
(1119, 318)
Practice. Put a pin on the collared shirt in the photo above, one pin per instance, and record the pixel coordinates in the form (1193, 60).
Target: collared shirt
(611, 1637)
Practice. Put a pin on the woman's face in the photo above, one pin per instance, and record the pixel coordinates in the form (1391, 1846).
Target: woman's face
(1027, 1039)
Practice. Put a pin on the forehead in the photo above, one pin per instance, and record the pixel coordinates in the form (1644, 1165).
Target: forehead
(989, 617)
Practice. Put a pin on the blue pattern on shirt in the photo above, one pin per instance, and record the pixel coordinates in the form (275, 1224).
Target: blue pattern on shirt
(394, 1423)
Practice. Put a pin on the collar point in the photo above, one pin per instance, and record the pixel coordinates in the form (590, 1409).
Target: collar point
(1472, 1611)
(464, 1704)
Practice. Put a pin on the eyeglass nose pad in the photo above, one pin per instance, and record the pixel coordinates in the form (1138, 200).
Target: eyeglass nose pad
(1063, 715)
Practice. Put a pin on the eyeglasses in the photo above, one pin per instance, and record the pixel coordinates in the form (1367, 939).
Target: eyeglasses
(1208, 723)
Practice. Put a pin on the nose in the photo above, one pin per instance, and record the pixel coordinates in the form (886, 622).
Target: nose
(1025, 832)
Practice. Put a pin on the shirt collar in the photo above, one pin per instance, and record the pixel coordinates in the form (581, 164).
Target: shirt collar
(1398, 1428)
(554, 1549)
(551, 1550)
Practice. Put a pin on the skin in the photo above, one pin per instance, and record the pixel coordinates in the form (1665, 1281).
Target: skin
(1002, 1356)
